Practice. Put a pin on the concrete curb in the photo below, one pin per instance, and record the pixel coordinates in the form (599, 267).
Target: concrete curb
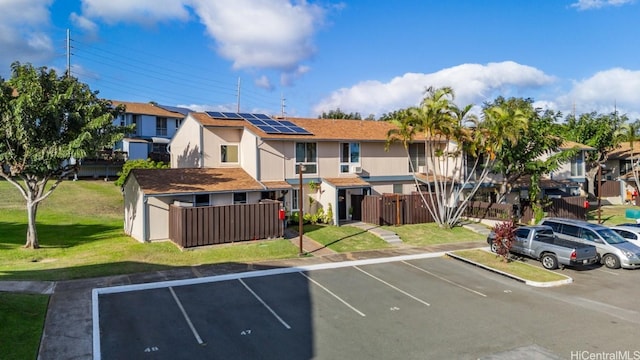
(568, 279)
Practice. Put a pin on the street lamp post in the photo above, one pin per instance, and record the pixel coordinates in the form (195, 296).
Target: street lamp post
(301, 168)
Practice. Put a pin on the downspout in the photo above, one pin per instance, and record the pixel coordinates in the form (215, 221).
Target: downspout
(201, 160)
(145, 200)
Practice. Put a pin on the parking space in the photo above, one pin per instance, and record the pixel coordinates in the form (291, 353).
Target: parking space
(412, 307)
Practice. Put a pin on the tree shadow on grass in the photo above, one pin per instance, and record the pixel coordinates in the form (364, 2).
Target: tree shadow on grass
(56, 236)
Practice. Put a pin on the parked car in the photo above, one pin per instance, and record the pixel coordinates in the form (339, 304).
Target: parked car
(630, 233)
(540, 243)
(613, 250)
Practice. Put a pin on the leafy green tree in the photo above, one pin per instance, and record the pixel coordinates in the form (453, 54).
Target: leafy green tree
(599, 131)
(47, 121)
(529, 151)
(138, 164)
(339, 114)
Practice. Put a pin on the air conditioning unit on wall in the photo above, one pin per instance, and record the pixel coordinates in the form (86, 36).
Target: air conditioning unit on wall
(356, 169)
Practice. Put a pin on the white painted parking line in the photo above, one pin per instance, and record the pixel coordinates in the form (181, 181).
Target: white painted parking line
(265, 305)
(186, 317)
(609, 272)
(334, 295)
(394, 287)
(444, 279)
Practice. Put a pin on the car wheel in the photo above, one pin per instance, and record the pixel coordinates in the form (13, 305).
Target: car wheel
(611, 261)
(494, 247)
(549, 261)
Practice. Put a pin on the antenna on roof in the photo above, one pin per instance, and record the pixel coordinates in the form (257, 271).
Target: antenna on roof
(238, 96)
(282, 106)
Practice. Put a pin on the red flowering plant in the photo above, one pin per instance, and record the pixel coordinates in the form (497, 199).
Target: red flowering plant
(504, 234)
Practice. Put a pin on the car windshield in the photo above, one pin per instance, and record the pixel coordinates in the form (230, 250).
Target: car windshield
(611, 236)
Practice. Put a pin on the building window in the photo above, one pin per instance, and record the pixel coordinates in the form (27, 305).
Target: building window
(202, 200)
(306, 155)
(122, 120)
(294, 199)
(159, 148)
(161, 126)
(397, 188)
(229, 154)
(178, 123)
(135, 121)
(577, 166)
(417, 156)
(239, 198)
(349, 156)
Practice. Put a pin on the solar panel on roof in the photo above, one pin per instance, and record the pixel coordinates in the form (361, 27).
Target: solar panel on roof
(256, 122)
(287, 123)
(262, 116)
(230, 115)
(299, 130)
(247, 116)
(272, 122)
(268, 129)
(215, 114)
(284, 129)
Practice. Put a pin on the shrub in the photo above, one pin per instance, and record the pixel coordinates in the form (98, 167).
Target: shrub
(505, 233)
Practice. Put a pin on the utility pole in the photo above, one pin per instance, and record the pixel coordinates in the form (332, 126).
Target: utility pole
(68, 53)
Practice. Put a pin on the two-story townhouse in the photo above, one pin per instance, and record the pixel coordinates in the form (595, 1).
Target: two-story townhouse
(323, 163)
(154, 126)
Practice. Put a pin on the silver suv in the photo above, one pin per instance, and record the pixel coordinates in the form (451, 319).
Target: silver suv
(614, 251)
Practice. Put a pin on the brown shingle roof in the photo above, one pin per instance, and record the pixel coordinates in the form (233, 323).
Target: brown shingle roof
(346, 182)
(173, 181)
(146, 109)
(568, 144)
(277, 185)
(321, 129)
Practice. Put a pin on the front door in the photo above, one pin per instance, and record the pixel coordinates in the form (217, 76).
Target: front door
(342, 204)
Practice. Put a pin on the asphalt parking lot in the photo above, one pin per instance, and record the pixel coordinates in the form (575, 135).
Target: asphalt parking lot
(412, 307)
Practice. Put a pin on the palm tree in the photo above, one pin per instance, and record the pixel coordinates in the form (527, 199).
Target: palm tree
(630, 133)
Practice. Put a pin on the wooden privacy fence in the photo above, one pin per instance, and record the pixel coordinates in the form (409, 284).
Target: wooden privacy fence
(391, 209)
(487, 210)
(211, 225)
(566, 207)
(609, 188)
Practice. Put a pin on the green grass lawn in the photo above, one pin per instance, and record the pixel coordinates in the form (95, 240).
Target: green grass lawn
(344, 238)
(611, 214)
(517, 268)
(431, 234)
(80, 232)
(21, 322)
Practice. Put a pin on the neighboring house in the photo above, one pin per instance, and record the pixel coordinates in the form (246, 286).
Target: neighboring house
(155, 125)
(570, 179)
(618, 167)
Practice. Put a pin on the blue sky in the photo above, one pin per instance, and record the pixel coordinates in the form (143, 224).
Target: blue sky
(360, 56)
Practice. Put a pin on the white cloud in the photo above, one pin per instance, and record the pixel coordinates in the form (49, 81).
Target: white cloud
(597, 4)
(274, 34)
(263, 82)
(145, 12)
(23, 36)
(83, 23)
(604, 91)
(472, 84)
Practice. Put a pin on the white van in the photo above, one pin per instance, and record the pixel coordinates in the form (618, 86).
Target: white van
(614, 251)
